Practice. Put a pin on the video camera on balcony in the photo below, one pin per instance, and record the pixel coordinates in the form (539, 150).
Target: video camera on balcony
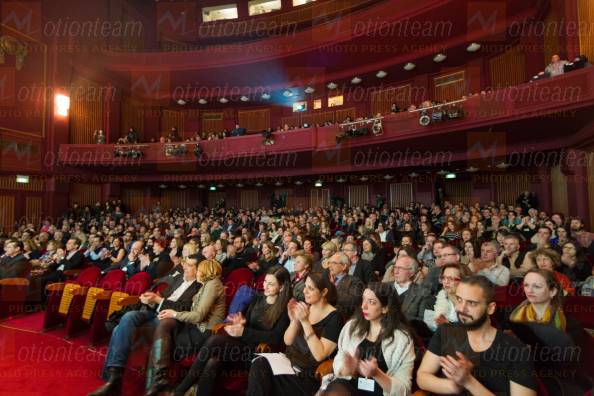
(359, 128)
(175, 150)
(440, 113)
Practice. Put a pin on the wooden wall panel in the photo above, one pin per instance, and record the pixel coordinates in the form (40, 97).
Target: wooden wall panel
(85, 194)
(319, 197)
(586, 23)
(290, 194)
(133, 198)
(255, 120)
(9, 183)
(86, 111)
(509, 186)
(132, 116)
(291, 121)
(401, 194)
(381, 101)
(249, 199)
(170, 119)
(7, 212)
(33, 209)
(448, 87)
(173, 199)
(508, 69)
(559, 190)
(212, 122)
(590, 181)
(358, 195)
(459, 191)
(214, 198)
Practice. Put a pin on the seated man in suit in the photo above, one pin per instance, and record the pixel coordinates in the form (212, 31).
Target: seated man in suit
(70, 259)
(359, 268)
(132, 263)
(178, 297)
(349, 289)
(160, 262)
(13, 263)
(413, 297)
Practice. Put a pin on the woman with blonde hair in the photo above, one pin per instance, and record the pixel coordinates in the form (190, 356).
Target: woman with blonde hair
(186, 331)
(328, 250)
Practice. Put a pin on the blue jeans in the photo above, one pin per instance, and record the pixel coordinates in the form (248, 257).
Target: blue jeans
(120, 343)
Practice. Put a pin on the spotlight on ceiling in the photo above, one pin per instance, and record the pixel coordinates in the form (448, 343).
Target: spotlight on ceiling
(181, 102)
(309, 90)
(287, 93)
(409, 66)
(332, 85)
(450, 175)
(356, 80)
(381, 74)
(265, 96)
(244, 98)
(318, 183)
(202, 101)
(224, 100)
(474, 47)
(439, 58)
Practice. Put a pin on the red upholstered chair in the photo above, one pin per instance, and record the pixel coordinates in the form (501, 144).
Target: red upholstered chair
(237, 278)
(581, 308)
(60, 295)
(13, 293)
(259, 282)
(113, 300)
(84, 300)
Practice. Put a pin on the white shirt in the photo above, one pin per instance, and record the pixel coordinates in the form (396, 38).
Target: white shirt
(177, 293)
(497, 274)
(401, 289)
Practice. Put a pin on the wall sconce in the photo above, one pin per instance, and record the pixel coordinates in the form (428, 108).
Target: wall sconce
(62, 104)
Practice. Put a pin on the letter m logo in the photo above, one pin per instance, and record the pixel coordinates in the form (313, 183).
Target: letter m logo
(150, 86)
(486, 20)
(23, 17)
(176, 20)
(484, 149)
(7, 96)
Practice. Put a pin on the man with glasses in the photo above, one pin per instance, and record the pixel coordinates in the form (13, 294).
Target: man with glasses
(414, 298)
(359, 268)
(349, 289)
(446, 255)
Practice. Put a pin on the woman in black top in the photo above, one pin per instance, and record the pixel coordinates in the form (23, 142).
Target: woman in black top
(267, 260)
(265, 321)
(311, 338)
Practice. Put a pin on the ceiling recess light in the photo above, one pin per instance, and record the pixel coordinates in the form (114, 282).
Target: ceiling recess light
(473, 47)
(413, 174)
(265, 96)
(318, 183)
(364, 178)
(201, 186)
(181, 102)
(332, 85)
(388, 177)
(213, 188)
(502, 165)
(22, 179)
(409, 66)
(202, 101)
(287, 93)
(381, 74)
(183, 186)
(450, 175)
(298, 182)
(162, 185)
(259, 184)
(244, 98)
(356, 80)
(239, 185)
(309, 90)
(341, 180)
(439, 58)
(278, 184)
(224, 100)
(472, 169)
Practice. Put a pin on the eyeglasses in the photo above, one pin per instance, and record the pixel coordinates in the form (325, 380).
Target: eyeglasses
(449, 279)
(444, 255)
(402, 269)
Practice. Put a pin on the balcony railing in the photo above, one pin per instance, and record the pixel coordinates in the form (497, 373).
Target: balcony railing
(541, 98)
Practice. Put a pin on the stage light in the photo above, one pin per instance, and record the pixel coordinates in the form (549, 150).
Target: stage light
(62, 104)
(22, 179)
(472, 169)
(259, 184)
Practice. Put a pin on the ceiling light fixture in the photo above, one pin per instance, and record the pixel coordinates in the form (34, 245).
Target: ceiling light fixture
(309, 90)
(244, 98)
(181, 102)
(224, 100)
(474, 47)
(409, 66)
(318, 183)
(332, 85)
(381, 74)
(287, 93)
(472, 169)
(450, 175)
(356, 80)
(265, 96)
(439, 58)
(413, 174)
(388, 177)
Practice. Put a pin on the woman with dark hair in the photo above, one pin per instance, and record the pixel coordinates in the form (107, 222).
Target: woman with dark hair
(266, 321)
(221, 250)
(375, 349)
(370, 254)
(267, 260)
(302, 267)
(311, 338)
(117, 251)
(469, 252)
(573, 264)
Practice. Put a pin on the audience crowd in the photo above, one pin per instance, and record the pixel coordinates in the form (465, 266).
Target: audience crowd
(399, 299)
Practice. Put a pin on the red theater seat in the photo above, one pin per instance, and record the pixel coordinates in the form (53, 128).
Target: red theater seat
(13, 293)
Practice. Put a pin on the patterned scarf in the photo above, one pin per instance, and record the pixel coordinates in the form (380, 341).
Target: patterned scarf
(525, 313)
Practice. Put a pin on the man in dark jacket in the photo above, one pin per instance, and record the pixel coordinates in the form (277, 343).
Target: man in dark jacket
(178, 297)
(67, 260)
(349, 289)
(359, 268)
(13, 264)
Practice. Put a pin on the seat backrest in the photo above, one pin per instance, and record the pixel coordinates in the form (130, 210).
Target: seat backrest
(237, 278)
(89, 276)
(580, 308)
(138, 284)
(113, 280)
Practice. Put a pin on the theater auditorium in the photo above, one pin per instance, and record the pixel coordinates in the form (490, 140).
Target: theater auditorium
(296, 197)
